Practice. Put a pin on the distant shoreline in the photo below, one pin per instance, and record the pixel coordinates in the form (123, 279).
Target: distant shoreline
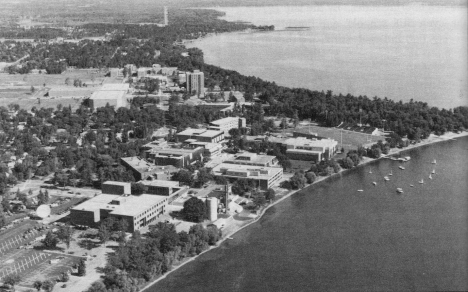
(432, 139)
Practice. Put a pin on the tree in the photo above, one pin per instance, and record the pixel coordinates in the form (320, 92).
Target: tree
(48, 285)
(3, 221)
(51, 240)
(37, 285)
(270, 194)
(11, 279)
(138, 188)
(259, 200)
(194, 210)
(65, 234)
(104, 233)
(64, 277)
(82, 268)
(310, 177)
(298, 181)
(97, 287)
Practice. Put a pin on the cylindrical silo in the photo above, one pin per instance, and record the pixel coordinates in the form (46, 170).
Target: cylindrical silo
(212, 208)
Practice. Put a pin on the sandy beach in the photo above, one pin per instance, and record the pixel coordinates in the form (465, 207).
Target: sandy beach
(236, 226)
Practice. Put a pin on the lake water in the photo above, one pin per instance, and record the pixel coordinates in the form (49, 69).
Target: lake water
(332, 238)
(400, 52)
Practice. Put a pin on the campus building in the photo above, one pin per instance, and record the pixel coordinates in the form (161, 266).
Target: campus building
(177, 157)
(254, 159)
(209, 149)
(200, 135)
(170, 189)
(265, 177)
(196, 82)
(227, 124)
(137, 211)
(301, 148)
(116, 188)
(144, 170)
(113, 94)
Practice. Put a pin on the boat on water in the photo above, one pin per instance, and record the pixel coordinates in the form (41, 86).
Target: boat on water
(434, 161)
(401, 167)
(421, 181)
(411, 185)
(391, 173)
(370, 170)
(386, 178)
(374, 183)
(430, 176)
(433, 171)
(399, 190)
(407, 158)
(360, 190)
(401, 159)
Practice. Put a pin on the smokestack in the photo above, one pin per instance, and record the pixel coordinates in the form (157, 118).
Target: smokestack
(166, 18)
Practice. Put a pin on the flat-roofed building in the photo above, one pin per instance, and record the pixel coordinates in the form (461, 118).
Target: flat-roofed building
(171, 189)
(227, 124)
(196, 83)
(178, 157)
(301, 148)
(144, 170)
(254, 159)
(265, 177)
(116, 188)
(210, 149)
(114, 94)
(137, 211)
(201, 135)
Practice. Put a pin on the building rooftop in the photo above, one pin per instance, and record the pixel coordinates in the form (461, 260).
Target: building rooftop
(225, 120)
(161, 183)
(108, 94)
(138, 164)
(302, 141)
(200, 132)
(116, 183)
(246, 171)
(253, 157)
(121, 205)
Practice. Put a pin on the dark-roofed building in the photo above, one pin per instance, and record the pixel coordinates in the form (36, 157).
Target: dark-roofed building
(144, 170)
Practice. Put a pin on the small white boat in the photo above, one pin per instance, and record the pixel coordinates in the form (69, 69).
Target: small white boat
(386, 178)
(401, 167)
(434, 161)
(374, 183)
(401, 159)
(421, 181)
(411, 185)
(391, 173)
(430, 176)
(407, 158)
(360, 190)
(433, 171)
(399, 190)
(370, 170)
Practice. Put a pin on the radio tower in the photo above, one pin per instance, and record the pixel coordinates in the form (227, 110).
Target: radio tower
(166, 19)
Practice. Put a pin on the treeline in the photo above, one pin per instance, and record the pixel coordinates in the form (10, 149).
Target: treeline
(141, 259)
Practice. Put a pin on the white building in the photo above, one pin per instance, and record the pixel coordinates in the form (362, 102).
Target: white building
(227, 124)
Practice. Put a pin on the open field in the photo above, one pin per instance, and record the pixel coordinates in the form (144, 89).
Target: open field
(351, 140)
(49, 79)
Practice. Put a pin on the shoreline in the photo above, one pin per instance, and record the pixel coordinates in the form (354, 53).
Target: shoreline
(432, 139)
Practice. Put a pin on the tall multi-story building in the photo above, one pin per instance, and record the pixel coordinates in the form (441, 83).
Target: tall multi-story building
(196, 82)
